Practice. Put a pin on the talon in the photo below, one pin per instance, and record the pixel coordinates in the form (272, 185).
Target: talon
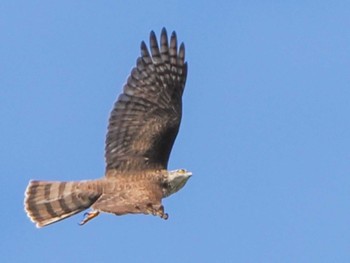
(165, 216)
(88, 216)
(161, 213)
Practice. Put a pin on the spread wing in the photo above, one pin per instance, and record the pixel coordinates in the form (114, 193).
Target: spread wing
(146, 117)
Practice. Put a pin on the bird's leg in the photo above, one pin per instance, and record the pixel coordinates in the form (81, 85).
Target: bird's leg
(161, 214)
(157, 210)
(165, 216)
(88, 216)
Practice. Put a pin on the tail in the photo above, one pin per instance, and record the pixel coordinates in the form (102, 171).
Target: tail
(49, 202)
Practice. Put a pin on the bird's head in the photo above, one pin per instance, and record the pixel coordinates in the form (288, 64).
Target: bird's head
(176, 179)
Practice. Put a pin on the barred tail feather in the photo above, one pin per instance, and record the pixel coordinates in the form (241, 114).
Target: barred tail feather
(49, 202)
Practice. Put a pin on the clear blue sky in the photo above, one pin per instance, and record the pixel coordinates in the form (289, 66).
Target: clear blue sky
(265, 129)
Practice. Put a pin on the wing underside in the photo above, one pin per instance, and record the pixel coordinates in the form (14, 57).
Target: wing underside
(146, 117)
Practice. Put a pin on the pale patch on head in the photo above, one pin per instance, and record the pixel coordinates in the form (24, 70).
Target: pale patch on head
(176, 180)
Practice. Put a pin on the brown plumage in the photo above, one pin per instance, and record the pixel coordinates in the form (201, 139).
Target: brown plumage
(142, 129)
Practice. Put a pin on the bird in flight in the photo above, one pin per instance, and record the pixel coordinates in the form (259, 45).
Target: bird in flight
(142, 128)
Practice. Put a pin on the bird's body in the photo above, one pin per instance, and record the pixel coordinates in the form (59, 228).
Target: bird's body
(142, 129)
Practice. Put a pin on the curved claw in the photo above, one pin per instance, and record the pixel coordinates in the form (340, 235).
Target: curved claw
(160, 212)
(165, 216)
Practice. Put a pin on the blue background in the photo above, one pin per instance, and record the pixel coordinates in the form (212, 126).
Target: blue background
(265, 128)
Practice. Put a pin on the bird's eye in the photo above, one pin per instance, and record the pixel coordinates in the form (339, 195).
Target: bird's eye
(182, 171)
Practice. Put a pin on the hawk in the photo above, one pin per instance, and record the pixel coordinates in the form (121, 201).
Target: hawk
(142, 128)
